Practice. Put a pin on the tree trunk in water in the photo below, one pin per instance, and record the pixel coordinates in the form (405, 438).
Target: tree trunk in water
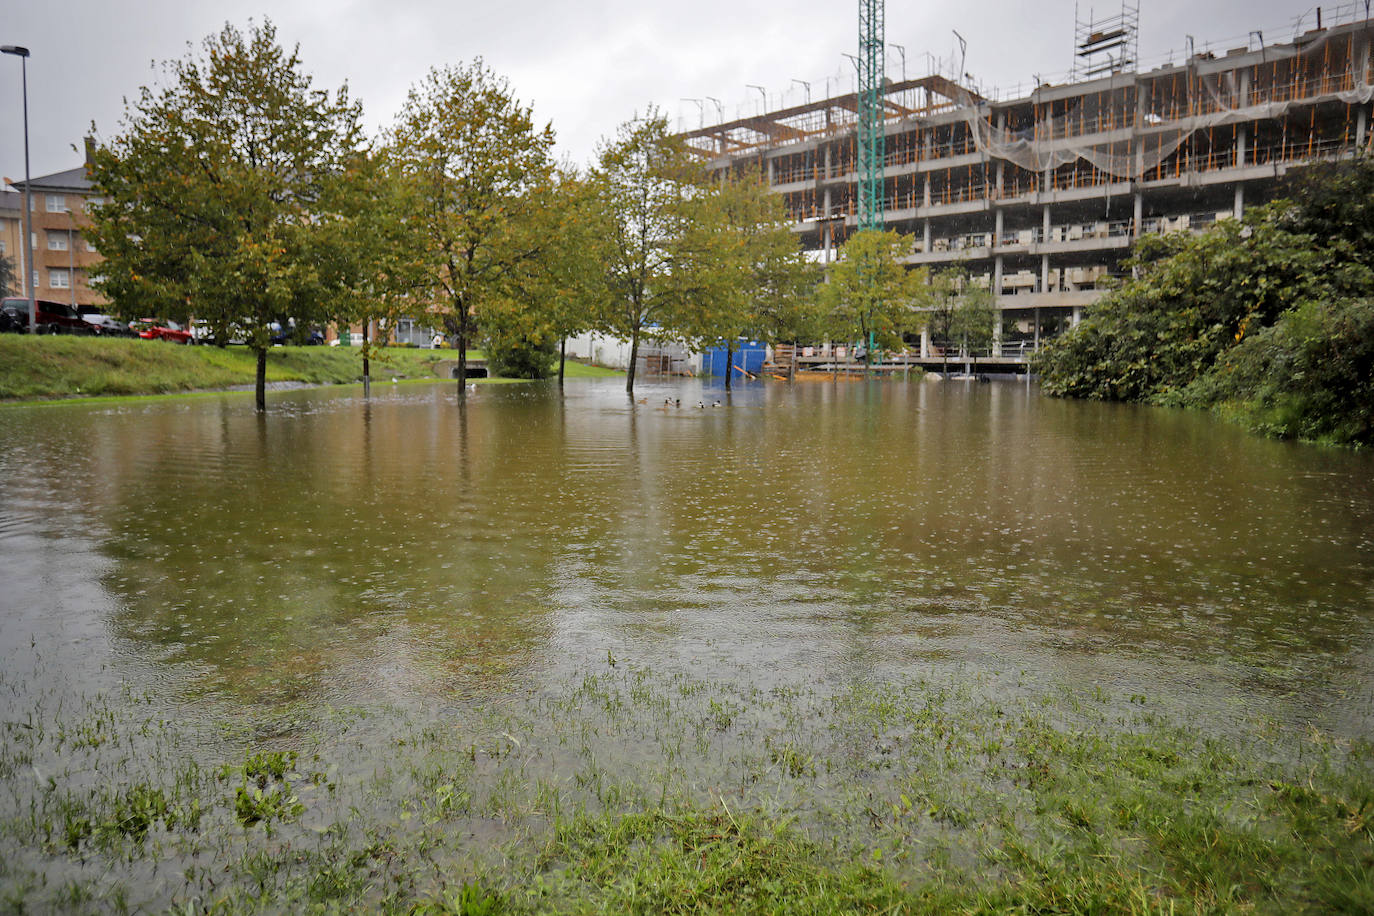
(367, 367)
(562, 358)
(260, 381)
(729, 362)
(634, 358)
(462, 337)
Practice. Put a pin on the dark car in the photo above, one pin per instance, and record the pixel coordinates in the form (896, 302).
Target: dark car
(53, 317)
(103, 325)
(291, 334)
(14, 320)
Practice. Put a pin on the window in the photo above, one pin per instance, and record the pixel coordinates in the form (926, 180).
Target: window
(92, 202)
(56, 203)
(35, 279)
(58, 278)
(2, 247)
(57, 241)
(89, 246)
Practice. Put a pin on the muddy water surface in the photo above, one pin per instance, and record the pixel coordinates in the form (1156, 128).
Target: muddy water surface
(405, 550)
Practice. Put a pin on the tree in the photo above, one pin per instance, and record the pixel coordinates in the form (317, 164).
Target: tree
(870, 296)
(363, 251)
(476, 173)
(645, 179)
(1193, 298)
(755, 280)
(216, 188)
(1267, 319)
(9, 275)
(556, 293)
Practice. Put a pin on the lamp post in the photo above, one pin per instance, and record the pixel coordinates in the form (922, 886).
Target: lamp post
(23, 55)
(763, 94)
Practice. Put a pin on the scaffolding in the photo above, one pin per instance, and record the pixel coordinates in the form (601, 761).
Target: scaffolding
(1105, 46)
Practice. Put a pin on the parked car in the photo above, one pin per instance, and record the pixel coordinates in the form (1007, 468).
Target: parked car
(102, 324)
(154, 329)
(53, 317)
(14, 320)
(291, 334)
(204, 334)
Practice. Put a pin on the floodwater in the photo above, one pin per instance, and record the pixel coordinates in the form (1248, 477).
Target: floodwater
(406, 550)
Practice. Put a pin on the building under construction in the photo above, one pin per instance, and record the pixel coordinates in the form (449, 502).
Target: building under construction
(1041, 196)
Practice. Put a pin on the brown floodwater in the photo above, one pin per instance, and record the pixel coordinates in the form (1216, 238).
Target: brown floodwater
(406, 550)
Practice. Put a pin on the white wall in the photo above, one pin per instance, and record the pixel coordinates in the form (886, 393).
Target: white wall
(614, 352)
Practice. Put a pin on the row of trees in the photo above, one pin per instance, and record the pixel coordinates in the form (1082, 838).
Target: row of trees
(240, 194)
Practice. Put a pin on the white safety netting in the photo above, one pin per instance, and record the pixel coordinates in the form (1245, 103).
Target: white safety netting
(1322, 67)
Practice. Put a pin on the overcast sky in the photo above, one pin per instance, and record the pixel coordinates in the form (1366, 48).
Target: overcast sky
(585, 66)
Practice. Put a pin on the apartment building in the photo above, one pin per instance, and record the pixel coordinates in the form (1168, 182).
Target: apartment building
(64, 261)
(1040, 195)
(12, 237)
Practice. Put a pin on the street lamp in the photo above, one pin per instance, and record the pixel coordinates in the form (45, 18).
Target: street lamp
(23, 55)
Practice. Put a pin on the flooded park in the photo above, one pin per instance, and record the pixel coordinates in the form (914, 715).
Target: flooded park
(568, 650)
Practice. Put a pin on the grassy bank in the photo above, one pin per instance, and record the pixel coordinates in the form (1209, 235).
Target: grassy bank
(626, 791)
(62, 367)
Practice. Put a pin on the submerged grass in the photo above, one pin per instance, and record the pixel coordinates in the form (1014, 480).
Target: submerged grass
(68, 367)
(627, 791)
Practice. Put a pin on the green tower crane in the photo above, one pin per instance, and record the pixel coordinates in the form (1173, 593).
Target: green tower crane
(872, 75)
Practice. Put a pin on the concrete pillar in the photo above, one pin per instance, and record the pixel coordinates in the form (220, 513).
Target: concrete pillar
(1240, 200)
(1037, 328)
(1044, 258)
(927, 235)
(925, 194)
(997, 275)
(925, 343)
(772, 172)
(1361, 126)
(1242, 141)
(1077, 315)
(997, 333)
(997, 228)
(1138, 215)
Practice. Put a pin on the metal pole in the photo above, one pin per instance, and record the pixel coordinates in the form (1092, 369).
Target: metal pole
(23, 55)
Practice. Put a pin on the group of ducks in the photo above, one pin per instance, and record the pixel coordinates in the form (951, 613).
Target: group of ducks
(677, 402)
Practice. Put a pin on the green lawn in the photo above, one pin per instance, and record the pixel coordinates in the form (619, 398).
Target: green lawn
(62, 367)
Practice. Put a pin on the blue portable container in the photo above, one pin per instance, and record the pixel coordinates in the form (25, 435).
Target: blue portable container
(748, 355)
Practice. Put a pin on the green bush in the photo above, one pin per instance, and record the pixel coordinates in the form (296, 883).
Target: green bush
(1266, 319)
(1310, 376)
(522, 358)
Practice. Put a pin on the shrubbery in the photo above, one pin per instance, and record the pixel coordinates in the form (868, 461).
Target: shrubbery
(521, 357)
(1268, 320)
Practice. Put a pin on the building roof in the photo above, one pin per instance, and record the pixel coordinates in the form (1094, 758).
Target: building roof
(71, 180)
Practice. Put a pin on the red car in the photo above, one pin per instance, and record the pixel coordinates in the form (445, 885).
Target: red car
(152, 329)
